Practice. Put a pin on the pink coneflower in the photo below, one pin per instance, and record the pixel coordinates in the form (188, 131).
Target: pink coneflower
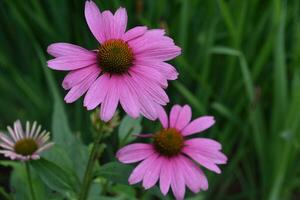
(172, 158)
(128, 67)
(28, 145)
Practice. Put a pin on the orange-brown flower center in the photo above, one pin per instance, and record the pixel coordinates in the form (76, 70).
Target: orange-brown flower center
(26, 146)
(115, 56)
(168, 142)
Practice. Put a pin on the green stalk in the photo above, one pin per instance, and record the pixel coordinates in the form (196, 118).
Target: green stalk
(29, 180)
(90, 166)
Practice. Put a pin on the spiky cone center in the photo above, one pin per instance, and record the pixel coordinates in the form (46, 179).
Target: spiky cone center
(115, 56)
(168, 142)
(26, 146)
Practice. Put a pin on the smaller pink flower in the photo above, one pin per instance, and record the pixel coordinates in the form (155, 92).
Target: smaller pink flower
(28, 145)
(172, 159)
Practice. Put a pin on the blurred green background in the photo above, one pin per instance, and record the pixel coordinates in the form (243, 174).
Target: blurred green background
(240, 62)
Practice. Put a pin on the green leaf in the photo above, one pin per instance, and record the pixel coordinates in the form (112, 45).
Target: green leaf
(58, 179)
(115, 171)
(19, 182)
(128, 127)
(61, 132)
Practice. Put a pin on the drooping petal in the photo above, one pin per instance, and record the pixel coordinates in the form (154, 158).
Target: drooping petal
(177, 182)
(148, 107)
(94, 20)
(167, 70)
(210, 152)
(204, 161)
(150, 74)
(184, 117)
(152, 174)
(198, 125)
(134, 152)
(165, 176)
(134, 33)
(174, 115)
(110, 102)
(120, 22)
(152, 90)
(205, 143)
(129, 100)
(66, 49)
(194, 177)
(66, 63)
(6, 139)
(97, 92)
(138, 173)
(154, 45)
(77, 91)
(75, 77)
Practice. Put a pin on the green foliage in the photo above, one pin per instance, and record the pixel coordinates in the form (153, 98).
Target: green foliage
(240, 63)
(127, 128)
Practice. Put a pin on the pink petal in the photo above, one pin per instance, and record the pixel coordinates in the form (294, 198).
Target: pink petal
(138, 173)
(163, 117)
(198, 125)
(45, 147)
(153, 45)
(18, 130)
(150, 74)
(77, 91)
(152, 90)
(202, 160)
(6, 139)
(160, 54)
(108, 24)
(165, 176)
(12, 134)
(184, 117)
(120, 22)
(204, 143)
(110, 102)
(66, 49)
(177, 182)
(209, 152)
(77, 76)
(134, 33)
(97, 92)
(6, 146)
(129, 100)
(66, 63)
(167, 70)
(94, 20)
(152, 174)
(174, 115)
(195, 179)
(148, 107)
(134, 152)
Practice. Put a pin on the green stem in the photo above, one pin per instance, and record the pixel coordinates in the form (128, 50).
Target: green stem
(90, 166)
(29, 180)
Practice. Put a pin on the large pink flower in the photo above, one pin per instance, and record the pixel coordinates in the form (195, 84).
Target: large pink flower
(171, 158)
(128, 67)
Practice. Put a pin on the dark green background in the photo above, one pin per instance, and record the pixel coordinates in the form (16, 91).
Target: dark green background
(240, 62)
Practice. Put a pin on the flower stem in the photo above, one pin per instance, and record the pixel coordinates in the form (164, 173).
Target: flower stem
(29, 180)
(90, 166)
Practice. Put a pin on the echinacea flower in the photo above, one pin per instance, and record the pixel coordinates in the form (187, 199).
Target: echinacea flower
(28, 145)
(173, 159)
(127, 67)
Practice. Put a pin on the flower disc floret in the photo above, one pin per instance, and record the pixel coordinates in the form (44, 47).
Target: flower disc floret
(168, 142)
(115, 57)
